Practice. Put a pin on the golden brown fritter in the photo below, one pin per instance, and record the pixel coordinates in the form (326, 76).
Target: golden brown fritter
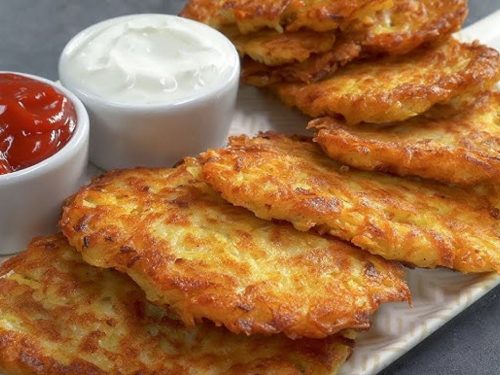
(326, 15)
(461, 148)
(418, 222)
(188, 248)
(247, 15)
(273, 48)
(398, 87)
(292, 15)
(313, 69)
(59, 315)
(409, 24)
(203, 11)
(404, 27)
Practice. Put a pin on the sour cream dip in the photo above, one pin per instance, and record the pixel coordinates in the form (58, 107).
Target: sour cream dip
(157, 88)
(147, 59)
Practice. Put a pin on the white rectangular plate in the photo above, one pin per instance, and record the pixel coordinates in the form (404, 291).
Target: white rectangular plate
(438, 295)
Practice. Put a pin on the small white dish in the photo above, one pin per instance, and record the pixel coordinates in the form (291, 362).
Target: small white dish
(31, 198)
(159, 134)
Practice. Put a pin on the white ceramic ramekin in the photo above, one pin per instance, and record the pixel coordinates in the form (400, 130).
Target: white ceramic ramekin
(31, 198)
(156, 135)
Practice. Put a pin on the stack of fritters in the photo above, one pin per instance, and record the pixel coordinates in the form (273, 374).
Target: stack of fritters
(59, 315)
(297, 44)
(418, 222)
(397, 57)
(406, 159)
(205, 258)
(154, 263)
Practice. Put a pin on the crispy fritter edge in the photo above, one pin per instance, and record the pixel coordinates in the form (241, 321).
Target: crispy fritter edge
(468, 167)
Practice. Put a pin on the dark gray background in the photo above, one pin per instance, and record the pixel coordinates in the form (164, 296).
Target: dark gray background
(33, 33)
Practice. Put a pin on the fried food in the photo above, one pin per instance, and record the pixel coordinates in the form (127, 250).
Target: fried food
(397, 30)
(397, 87)
(59, 315)
(417, 222)
(273, 48)
(326, 15)
(313, 69)
(461, 148)
(247, 15)
(408, 25)
(188, 248)
(291, 15)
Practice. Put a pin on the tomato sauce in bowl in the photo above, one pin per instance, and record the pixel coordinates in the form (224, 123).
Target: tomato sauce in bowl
(36, 121)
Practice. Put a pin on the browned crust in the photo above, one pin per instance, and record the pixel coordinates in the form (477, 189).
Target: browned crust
(329, 15)
(397, 88)
(54, 301)
(20, 355)
(291, 15)
(200, 10)
(461, 149)
(272, 48)
(417, 222)
(244, 295)
(313, 69)
(248, 15)
(412, 24)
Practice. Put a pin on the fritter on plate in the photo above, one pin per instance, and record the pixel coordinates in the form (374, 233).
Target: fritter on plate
(205, 258)
(418, 222)
(408, 25)
(59, 315)
(397, 87)
(273, 48)
(247, 15)
(462, 147)
(326, 15)
(292, 15)
(311, 70)
(404, 27)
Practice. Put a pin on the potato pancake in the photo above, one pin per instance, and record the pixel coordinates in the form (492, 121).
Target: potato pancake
(273, 48)
(59, 315)
(401, 29)
(247, 15)
(292, 15)
(461, 148)
(409, 24)
(326, 15)
(417, 222)
(205, 258)
(395, 88)
(313, 69)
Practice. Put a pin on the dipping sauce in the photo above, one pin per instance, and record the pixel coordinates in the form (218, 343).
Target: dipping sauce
(35, 122)
(146, 59)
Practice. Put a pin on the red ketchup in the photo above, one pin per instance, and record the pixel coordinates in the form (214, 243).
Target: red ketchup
(35, 122)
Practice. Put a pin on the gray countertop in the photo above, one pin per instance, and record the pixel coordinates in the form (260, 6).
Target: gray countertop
(33, 33)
